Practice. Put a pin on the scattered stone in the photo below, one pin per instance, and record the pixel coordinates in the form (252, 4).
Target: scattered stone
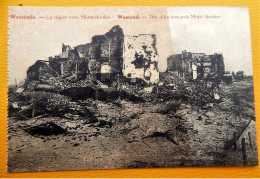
(46, 129)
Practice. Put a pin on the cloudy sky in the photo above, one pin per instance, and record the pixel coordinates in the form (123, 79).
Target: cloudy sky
(40, 38)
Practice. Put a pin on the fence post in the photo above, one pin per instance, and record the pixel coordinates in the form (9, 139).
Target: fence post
(243, 142)
(249, 135)
(33, 108)
(234, 142)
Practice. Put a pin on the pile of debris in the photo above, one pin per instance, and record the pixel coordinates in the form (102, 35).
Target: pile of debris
(46, 129)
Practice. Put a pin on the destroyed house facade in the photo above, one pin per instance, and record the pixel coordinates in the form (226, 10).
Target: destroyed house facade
(106, 57)
(69, 63)
(196, 65)
(141, 58)
(100, 59)
(106, 54)
(41, 71)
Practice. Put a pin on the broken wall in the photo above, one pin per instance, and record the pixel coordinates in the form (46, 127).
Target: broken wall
(67, 66)
(196, 65)
(40, 70)
(109, 48)
(87, 58)
(84, 49)
(218, 62)
(174, 63)
(108, 45)
(141, 58)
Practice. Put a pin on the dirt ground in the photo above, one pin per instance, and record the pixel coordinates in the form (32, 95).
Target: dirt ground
(141, 136)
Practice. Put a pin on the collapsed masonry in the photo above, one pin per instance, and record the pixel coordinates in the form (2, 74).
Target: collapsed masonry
(106, 58)
(141, 58)
(197, 65)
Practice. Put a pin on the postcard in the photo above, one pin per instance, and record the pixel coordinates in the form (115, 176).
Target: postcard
(129, 87)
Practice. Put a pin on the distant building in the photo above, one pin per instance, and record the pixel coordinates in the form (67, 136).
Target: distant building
(239, 75)
(196, 65)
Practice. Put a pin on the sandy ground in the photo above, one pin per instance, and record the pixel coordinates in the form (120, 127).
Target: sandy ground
(140, 137)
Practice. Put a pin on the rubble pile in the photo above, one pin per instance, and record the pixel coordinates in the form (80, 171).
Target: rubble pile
(116, 66)
(199, 93)
(46, 129)
(108, 99)
(42, 104)
(169, 107)
(40, 70)
(232, 98)
(149, 125)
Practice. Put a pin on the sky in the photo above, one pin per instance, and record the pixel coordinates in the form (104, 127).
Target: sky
(229, 34)
(37, 39)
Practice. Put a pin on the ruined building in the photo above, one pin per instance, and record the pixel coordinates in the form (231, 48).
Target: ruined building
(41, 71)
(196, 65)
(141, 58)
(68, 63)
(106, 57)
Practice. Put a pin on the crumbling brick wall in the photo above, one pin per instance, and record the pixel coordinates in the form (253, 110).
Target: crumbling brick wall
(218, 63)
(55, 64)
(84, 49)
(40, 70)
(109, 48)
(111, 42)
(66, 67)
(174, 64)
(204, 66)
(137, 54)
(141, 58)
(88, 58)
